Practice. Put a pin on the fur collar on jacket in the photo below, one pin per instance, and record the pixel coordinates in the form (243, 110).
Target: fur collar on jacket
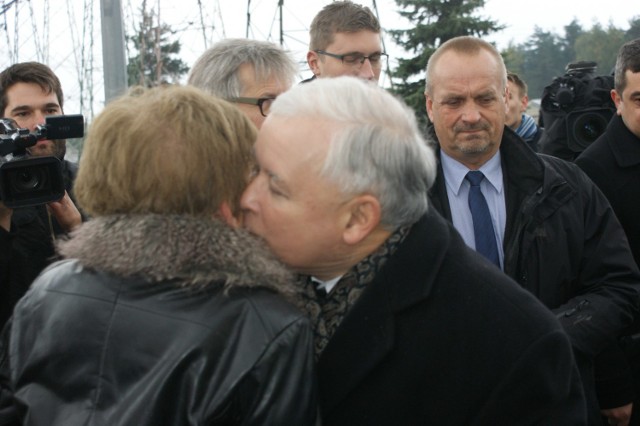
(191, 251)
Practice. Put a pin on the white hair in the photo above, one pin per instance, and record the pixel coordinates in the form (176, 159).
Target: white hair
(376, 147)
(216, 70)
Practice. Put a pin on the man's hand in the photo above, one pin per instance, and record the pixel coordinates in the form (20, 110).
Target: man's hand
(65, 212)
(619, 416)
(5, 217)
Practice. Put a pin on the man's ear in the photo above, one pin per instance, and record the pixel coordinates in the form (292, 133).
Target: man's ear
(524, 103)
(312, 61)
(429, 102)
(617, 99)
(227, 215)
(364, 214)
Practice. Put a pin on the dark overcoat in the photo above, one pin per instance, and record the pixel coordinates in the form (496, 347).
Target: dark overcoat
(442, 337)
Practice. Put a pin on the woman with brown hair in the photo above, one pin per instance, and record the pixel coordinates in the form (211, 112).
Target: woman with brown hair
(164, 311)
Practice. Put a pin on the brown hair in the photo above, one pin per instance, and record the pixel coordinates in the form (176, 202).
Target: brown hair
(520, 84)
(628, 59)
(166, 150)
(340, 17)
(29, 72)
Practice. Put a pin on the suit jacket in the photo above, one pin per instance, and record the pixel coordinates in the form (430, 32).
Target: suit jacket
(442, 337)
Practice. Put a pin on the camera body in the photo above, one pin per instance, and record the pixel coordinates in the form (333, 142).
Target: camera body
(34, 180)
(575, 110)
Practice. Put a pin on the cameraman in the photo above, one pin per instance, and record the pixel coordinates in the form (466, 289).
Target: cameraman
(29, 92)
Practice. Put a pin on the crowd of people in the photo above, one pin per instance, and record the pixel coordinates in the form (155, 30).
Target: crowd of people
(246, 250)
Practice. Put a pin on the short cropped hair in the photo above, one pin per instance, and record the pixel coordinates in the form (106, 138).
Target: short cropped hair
(29, 72)
(520, 84)
(166, 150)
(628, 60)
(376, 147)
(340, 17)
(216, 70)
(465, 45)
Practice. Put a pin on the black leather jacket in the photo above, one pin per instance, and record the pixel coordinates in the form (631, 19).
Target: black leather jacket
(189, 331)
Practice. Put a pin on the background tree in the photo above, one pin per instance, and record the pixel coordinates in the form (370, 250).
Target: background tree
(634, 29)
(601, 46)
(432, 23)
(545, 55)
(156, 58)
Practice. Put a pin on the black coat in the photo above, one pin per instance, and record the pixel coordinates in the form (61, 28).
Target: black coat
(29, 247)
(442, 337)
(564, 244)
(161, 321)
(613, 163)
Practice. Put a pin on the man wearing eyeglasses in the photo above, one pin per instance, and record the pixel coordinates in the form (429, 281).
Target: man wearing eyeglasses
(345, 40)
(249, 73)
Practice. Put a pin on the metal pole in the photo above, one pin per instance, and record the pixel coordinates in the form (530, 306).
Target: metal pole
(281, 5)
(113, 53)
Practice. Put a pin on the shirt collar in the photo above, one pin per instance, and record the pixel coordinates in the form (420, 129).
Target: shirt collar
(455, 172)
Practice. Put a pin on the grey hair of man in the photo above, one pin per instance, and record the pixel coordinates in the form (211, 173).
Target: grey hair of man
(466, 45)
(376, 147)
(216, 70)
(628, 59)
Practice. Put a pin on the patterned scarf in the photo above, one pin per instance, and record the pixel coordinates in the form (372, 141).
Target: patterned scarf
(327, 311)
(527, 128)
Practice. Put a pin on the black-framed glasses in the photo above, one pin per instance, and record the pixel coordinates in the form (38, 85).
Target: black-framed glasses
(357, 59)
(263, 103)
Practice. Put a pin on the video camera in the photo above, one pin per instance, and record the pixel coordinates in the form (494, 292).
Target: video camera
(575, 110)
(34, 180)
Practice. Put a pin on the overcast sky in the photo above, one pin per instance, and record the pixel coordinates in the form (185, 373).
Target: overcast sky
(61, 32)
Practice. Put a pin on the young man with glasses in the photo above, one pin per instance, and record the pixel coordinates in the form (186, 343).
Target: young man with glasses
(345, 40)
(249, 73)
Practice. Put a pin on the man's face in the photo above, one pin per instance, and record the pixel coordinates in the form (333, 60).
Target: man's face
(628, 104)
(270, 87)
(361, 42)
(296, 211)
(28, 105)
(468, 106)
(516, 105)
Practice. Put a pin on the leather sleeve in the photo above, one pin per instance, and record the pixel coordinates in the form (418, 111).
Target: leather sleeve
(281, 388)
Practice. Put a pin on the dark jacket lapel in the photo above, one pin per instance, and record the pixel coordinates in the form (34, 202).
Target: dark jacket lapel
(366, 334)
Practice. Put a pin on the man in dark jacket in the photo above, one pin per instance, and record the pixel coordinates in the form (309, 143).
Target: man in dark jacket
(411, 326)
(613, 163)
(29, 92)
(550, 227)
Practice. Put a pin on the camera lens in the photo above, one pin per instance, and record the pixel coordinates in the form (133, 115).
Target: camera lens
(28, 179)
(588, 127)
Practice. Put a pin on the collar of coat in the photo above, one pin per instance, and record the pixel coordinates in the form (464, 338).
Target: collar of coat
(188, 250)
(623, 143)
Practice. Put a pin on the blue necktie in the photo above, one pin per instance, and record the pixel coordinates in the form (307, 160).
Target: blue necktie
(482, 225)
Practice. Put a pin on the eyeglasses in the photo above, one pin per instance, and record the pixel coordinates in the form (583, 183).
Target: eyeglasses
(356, 59)
(263, 103)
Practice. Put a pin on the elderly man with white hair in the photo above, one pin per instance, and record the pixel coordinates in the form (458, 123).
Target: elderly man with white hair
(411, 326)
